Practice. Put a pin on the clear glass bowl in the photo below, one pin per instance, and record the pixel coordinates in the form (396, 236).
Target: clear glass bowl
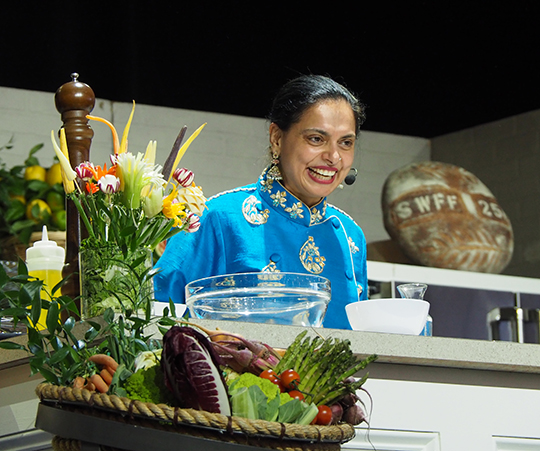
(275, 298)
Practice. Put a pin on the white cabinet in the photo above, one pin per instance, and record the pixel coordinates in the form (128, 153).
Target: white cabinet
(424, 416)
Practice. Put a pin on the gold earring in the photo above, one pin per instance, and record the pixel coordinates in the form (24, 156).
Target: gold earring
(274, 173)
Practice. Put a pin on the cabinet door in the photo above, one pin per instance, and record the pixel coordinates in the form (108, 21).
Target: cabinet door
(412, 415)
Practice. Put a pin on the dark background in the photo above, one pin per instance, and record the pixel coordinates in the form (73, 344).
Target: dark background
(422, 68)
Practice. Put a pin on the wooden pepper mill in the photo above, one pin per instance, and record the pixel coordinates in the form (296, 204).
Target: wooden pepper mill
(74, 101)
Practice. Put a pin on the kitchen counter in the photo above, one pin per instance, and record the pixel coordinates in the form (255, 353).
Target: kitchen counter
(391, 348)
(425, 391)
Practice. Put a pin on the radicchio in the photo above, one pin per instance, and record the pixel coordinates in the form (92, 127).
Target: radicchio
(191, 371)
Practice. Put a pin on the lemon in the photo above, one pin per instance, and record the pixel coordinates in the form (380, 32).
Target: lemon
(35, 172)
(54, 174)
(59, 219)
(55, 200)
(38, 211)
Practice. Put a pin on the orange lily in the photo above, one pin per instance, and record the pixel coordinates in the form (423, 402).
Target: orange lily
(99, 172)
(92, 187)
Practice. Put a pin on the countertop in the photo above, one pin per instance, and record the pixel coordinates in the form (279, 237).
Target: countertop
(405, 350)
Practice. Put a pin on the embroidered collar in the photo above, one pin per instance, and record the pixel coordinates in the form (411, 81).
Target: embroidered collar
(288, 205)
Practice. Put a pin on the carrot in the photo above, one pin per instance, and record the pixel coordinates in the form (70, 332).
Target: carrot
(106, 376)
(90, 386)
(100, 384)
(78, 382)
(110, 370)
(104, 360)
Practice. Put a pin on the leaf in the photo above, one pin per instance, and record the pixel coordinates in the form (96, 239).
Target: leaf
(53, 316)
(4, 278)
(22, 269)
(15, 211)
(15, 312)
(128, 231)
(34, 149)
(108, 315)
(35, 307)
(290, 411)
(11, 345)
(69, 324)
(22, 225)
(48, 375)
(59, 355)
(174, 151)
(29, 292)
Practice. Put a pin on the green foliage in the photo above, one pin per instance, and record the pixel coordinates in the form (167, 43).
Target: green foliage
(55, 353)
(16, 192)
(60, 353)
(106, 218)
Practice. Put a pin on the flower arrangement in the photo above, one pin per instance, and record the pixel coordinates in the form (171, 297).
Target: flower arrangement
(127, 209)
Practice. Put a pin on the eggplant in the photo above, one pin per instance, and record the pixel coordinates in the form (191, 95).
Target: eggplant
(191, 371)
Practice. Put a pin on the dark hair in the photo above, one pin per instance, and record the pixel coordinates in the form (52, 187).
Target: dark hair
(299, 94)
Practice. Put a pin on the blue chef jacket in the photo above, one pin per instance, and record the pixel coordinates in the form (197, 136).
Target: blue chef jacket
(263, 227)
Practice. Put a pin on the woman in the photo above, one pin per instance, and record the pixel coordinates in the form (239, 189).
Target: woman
(283, 222)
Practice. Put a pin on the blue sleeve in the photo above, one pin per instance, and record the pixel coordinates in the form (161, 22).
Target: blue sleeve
(188, 257)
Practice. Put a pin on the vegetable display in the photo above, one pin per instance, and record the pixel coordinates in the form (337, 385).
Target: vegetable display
(314, 381)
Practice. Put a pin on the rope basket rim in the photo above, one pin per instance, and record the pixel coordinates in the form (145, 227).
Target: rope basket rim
(233, 425)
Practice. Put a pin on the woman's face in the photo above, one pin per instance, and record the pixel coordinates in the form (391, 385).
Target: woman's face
(317, 152)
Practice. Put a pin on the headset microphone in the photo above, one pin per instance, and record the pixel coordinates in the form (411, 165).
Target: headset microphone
(351, 178)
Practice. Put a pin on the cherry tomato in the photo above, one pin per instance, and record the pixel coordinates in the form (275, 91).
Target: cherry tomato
(269, 374)
(290, 379)
(296, 394)
(272, 376)
(324, 417)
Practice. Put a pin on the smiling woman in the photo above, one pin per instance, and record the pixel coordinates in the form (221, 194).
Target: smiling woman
(284, 223)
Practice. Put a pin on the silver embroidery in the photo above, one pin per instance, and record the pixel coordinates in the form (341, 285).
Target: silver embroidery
(252, 214)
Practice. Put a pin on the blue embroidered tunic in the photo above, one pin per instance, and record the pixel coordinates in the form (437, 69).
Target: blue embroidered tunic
(263, 227)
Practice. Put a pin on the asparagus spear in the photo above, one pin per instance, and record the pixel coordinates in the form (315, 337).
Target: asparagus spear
(338, 392)
(327, 364)
(291, 353)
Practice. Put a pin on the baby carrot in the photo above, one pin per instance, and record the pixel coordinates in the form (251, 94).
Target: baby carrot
(104, 360)
(106, 376)
(100, 384)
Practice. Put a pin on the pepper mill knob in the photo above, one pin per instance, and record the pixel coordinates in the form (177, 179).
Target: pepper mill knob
(74, 101)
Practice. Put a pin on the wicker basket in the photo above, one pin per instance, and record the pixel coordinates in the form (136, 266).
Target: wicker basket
(267, 434)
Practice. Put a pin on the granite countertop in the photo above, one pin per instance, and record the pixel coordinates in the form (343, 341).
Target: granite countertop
(391, 348)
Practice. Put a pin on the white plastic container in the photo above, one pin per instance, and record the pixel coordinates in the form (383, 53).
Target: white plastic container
(45, 260)
(392, 315)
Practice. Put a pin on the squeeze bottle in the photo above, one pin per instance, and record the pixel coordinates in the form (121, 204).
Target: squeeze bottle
(45, 260)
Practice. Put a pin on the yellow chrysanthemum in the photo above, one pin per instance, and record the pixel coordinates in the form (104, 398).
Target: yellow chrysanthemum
(173, 209)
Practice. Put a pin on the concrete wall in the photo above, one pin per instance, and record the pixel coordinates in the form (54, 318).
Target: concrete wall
(505, 155)
(231, 150)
